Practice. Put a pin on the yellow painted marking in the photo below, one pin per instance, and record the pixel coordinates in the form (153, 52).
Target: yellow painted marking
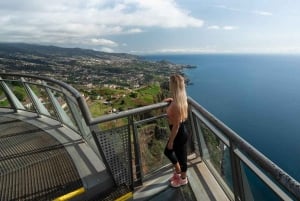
(125, 197)
(70, 195)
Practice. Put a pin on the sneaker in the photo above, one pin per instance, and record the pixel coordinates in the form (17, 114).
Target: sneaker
(179, 182)
(174, 177)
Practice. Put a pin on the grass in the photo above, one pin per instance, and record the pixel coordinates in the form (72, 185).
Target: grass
(4, 103)
(123, 99)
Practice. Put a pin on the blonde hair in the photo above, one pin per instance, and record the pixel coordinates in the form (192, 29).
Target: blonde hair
(177, 88)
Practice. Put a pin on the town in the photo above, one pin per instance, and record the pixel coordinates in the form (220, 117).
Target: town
(110, 82)
(84, 67)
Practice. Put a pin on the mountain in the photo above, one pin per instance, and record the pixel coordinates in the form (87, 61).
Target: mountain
(83, 66)
(41, 50)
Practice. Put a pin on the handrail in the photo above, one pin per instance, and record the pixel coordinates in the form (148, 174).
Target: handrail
(49, 79)
(277, 173)
(127, 113)
(81, 102)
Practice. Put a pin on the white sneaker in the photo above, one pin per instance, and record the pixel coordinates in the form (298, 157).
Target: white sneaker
(179, 182)
(174, 176)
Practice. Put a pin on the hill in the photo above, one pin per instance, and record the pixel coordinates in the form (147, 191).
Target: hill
(42, 50)
(83, 66)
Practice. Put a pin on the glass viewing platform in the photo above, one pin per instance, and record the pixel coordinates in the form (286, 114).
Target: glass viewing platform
(53, 149)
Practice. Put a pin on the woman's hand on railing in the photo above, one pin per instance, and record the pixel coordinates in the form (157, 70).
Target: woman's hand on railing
(169, 100)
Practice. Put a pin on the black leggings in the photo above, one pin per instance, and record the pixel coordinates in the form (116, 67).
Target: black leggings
(179, 151)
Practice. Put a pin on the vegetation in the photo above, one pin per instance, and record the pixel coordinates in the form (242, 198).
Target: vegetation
(152, 140)
(20, 93)
(107, 100)
(4, 103)
(152, 136)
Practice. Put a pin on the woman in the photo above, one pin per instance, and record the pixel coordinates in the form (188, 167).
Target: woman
(177, 113)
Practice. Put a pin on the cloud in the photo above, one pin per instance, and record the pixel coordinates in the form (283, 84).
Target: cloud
(186, 50)
(103, 42)
(136, 30)
(265, 13)
(217, 27)
(229, 27)
(214, 27)
(228, 8)
(72, 21)
(161, 13)
(256, 12)
(107, 49)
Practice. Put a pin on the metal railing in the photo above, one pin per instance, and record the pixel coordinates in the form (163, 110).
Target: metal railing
(244, 172)
(131, 142)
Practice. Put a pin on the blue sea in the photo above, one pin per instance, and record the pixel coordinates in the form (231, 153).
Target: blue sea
(257, 96)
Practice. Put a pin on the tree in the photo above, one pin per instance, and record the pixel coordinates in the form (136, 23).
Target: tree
(133, 95)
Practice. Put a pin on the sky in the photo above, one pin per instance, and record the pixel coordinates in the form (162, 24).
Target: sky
(155, 26)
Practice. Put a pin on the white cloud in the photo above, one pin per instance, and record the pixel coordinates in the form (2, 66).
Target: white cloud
(217, 27)
(106, 49)
(104, 42)
(271, 50)
(228, 8)
(64, 20)
(136, 30)
(265, 13)
(186, 50)
(213, 27)
(229, 27)
(215, 49)
(256, 12)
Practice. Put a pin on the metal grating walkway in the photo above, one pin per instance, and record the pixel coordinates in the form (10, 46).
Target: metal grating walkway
(33, 164)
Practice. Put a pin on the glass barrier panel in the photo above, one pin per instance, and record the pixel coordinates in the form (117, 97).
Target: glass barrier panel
(218, 158)
(63, 109)
(192, 141)
(152, 139)
(255, 188)
(19, 91)
(44, 99)
(3, 99)
(84, 129)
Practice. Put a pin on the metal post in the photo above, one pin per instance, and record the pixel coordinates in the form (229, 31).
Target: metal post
(237, 179)
(130, 125)
(138, 163)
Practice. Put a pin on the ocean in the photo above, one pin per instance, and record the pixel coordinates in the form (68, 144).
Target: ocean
(257, 96)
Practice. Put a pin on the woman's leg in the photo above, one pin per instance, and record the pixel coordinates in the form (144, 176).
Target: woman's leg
(181, 155)
(170, 155)
(177, 168)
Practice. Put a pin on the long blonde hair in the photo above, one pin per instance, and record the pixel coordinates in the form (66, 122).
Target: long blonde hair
(177, 88)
